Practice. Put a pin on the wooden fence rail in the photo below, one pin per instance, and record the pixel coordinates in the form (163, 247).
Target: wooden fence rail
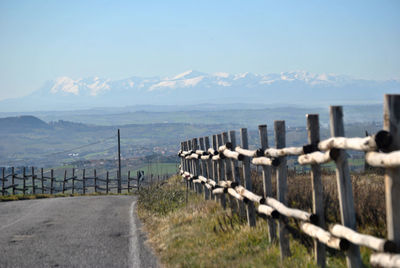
(216, 170)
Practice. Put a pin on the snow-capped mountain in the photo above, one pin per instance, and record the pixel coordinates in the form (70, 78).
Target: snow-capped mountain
(193, 87)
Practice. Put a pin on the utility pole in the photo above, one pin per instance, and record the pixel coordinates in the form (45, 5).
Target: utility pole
(119, 162)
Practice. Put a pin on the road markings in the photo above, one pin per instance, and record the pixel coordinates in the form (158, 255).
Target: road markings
(134, 256)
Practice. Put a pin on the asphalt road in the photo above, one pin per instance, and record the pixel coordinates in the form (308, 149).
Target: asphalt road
(91, 231)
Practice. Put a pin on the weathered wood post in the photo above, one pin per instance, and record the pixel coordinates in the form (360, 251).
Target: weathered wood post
(13, 180)
(3, 181)
(42, 180)
(215, 164)
(236, 174)
(317, 189)
(190, 165)
(95, 180)
(107, 181)
(24, 181)
(391, 123)
(281, 180)
(228, 172)
(267, 184)
(195, 146)
(228, 163)
(73, 180)
(345, 191)
(129, 181)
(204, 168)
(138, 181)
(250, 212)
(193, 166)
(65, 178)
(210, 174)
(83, 182)
(33, 180)
(182, 159)
(51, 181)
(186, 168)
(119, 162)
(221, 171)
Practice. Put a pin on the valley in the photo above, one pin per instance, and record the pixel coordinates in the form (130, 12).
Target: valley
(87, 138)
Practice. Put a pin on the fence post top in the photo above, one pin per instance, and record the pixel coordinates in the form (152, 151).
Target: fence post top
(312, 115)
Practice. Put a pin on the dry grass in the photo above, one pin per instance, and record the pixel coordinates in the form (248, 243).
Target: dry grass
(368, 191)
(202, 234)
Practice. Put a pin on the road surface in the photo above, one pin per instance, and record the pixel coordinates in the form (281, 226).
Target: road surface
(87, 231)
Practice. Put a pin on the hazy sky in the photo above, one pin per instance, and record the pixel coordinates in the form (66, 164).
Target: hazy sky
(42, 40)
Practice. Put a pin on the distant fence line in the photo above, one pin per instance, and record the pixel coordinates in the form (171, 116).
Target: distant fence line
(215, 170)
(29, 182)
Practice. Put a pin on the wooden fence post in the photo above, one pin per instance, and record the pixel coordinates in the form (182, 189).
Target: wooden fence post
(83, 182)
(215, 164)
(95, 180)
(281, 180)
(129, 181)
(182, 159)
(228, 163)
(65, 178)
(186, 162)
(391, 123)
(42, 180)
(73, 180)
(317, 189)
(3, 182)
(250, 211)
(107, 181)
(267, 184)
(190, 165)
(13, 180)
(24, 181)
(51, 181)
(204, 168)
(186, 168)
(236, 174)
(33, 180)
(196, 164)
(210, 174)
(345, 191)
(221, 171)
(228, 172)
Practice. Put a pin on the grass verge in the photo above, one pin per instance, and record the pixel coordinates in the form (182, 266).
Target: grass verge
(202, 234)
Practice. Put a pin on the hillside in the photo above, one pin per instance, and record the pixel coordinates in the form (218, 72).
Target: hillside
(31, 141)
(19, 123)
(27, 140)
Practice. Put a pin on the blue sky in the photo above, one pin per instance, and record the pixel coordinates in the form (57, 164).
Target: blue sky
(42, 40)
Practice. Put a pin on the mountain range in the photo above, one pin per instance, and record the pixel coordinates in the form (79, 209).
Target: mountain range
(193, 87)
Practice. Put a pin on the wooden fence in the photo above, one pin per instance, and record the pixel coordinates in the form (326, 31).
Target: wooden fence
(215, 170)
(33, 182)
